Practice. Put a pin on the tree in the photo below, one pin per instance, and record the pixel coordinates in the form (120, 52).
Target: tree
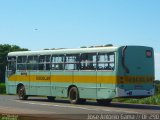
(157, 81)
(157, 86)
(4, 50)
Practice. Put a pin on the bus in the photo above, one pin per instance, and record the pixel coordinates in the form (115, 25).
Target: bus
(98, 72)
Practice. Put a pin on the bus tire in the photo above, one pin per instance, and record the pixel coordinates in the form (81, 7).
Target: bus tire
(22, 93)
(104, 101)
(50, 98)
(74, 95)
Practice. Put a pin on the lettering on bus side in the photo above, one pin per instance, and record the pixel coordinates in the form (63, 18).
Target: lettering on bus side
(141, 79)
(43, 78)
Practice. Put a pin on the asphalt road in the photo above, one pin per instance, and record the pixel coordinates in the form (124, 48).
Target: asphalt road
(39, 108)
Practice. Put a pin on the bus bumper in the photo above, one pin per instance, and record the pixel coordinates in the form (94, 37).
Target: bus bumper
(134, 93)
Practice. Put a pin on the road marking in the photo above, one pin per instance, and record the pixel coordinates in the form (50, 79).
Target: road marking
(23, 111)
(129, 112)
(75, 107)
(33, 103)
(1, 107)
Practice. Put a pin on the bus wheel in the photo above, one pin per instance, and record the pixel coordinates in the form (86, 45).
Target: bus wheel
(22, 93)
(50, 98)
(74, 95)
(104, 101)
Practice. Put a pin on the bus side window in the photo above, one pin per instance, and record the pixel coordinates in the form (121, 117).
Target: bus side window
(44, 62)
(106, 61)
(41, 63)
(72, 62)
(57, 62)
(32, 63)
(21, 62)
(12, 64)
(48, 62)
(88, 61)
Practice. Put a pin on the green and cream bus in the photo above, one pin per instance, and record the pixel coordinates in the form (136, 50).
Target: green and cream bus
(100, 73)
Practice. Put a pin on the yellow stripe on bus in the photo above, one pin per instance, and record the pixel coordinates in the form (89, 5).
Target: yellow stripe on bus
(84, 79)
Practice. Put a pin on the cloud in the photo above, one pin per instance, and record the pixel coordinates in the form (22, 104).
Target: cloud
(157, 66)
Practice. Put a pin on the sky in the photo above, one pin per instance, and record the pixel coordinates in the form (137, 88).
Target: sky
(40, 24)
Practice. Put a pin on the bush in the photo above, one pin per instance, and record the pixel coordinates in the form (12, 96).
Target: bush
(2, 88)
(157, 88)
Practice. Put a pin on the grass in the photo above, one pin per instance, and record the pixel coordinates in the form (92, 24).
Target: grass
(2, 88)
(155, 100)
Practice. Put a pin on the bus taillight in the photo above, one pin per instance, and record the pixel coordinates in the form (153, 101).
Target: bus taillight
(148, 53)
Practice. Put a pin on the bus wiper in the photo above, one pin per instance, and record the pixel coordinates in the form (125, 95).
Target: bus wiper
(123, 60)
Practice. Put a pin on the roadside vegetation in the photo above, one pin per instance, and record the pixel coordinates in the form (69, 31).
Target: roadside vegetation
(4, 50)
(2, 88)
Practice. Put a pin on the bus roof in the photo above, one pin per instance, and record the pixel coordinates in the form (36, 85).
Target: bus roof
(64, 51)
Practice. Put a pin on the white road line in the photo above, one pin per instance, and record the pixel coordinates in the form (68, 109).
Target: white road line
(1, 107)
(32, 103)
(129, 112)
(26, 111)
(75, 107)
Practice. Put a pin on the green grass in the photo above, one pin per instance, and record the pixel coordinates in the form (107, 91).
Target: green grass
(2, 88)
(155, 100)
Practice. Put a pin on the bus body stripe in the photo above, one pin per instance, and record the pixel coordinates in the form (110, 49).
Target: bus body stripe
(84, 79)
